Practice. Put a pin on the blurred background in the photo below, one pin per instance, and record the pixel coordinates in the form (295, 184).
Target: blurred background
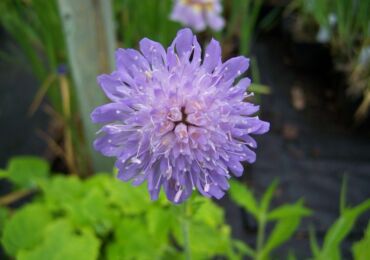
(310, 68)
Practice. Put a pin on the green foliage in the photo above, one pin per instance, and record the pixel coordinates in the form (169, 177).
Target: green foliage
(144, 18)
(243, 22)
(338, 232)
(26, 171)
(102, 217)
(3, 217)
(361, 248)
(36, 27)
(25, 229)
(287, 218)
(244, 198)
(345, 26)
(62, 241)
(347, 21)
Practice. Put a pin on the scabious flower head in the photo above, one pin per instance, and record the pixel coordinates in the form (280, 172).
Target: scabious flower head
(199, 14)
(177, 119)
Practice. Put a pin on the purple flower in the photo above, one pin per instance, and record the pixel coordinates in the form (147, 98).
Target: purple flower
(199, 14)
(176, 119)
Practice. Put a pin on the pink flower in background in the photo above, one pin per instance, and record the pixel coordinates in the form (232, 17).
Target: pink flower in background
(199, 14)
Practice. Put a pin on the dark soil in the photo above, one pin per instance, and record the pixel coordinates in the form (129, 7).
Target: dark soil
(18, 134)
(312, 144)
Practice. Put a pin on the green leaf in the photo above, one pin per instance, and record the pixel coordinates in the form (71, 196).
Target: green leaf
(61, 192)
(93, 210)
(267, 197)
(243, 248)
(343, 194)
(206, 242)
(360, 249)
(98, 53)
(62, 241)
(313, 242)
(24, 230)
(3, 174)
(291, 255)
(132, 240)
(209, 213)
(259, 89)
(25, 171)
(283, 231)
(160, 221)
(242, 196)
(4, 213)
(129, 199)
(342, 226)
(285, 211)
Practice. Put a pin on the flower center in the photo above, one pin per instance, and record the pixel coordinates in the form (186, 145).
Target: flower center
(178, 116)
(200, 5)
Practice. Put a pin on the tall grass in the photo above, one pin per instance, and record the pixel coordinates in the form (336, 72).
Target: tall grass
(35, 26)
(347, 23)
(136, 19)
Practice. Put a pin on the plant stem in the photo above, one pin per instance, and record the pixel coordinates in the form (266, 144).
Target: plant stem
(185, 230)
(14, 196)
(260, 236)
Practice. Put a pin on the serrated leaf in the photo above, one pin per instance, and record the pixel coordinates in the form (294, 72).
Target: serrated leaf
(242, 196)
(283, 231)
(342, 226)
(209, 213)
(285, 211)
(61, 191)
(133, 241)
(24, 230)
(61, 241)
(360, 250)
(159, 221)
(130, 199)
(206, 242)
(93, 210)
(25, 171)
(267, 197)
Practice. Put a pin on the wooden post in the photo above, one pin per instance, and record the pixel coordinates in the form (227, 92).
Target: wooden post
(89, 32)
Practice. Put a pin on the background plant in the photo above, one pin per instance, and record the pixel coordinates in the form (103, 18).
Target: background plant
(36, 28)
(345, 25)
(340, 229)
(286, 218)
(146, 18)
(104, 217)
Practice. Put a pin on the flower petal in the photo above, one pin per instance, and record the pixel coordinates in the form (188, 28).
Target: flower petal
(212, 57)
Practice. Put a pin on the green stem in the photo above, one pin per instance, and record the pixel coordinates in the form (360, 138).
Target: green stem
(185, 230)
(260, 236)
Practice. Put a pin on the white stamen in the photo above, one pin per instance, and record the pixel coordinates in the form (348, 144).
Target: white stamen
(207, 187)
(136, 160)
(178, 195)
